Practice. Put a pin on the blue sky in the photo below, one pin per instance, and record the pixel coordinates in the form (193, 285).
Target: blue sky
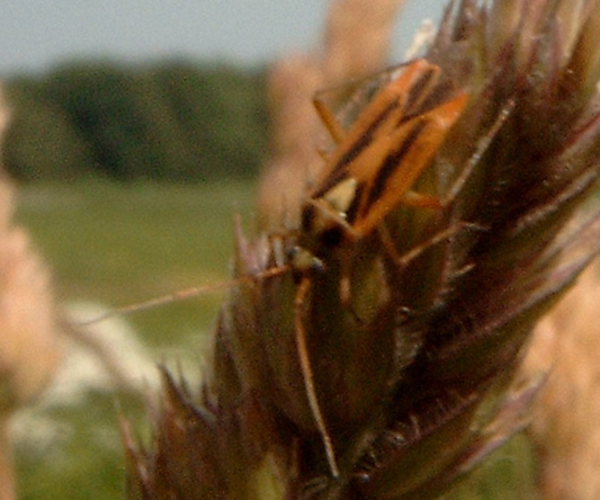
(36, 34)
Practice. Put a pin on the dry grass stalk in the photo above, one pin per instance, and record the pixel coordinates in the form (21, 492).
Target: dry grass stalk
(376, 362)
(30, 348)
(565, 427)
(29, 345)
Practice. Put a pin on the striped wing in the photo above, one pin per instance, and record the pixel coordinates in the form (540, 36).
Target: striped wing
(391, 142)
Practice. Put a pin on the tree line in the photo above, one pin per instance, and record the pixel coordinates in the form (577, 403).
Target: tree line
(174, 121)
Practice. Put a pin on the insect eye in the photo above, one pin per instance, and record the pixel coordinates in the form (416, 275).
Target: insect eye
(304, 261)
(332, 237)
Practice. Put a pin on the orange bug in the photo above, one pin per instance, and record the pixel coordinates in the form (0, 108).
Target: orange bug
(372, 170)
(379, 159)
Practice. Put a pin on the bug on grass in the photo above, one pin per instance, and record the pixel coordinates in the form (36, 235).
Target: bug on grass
(376, 163)
(374, 166)
(371, 171)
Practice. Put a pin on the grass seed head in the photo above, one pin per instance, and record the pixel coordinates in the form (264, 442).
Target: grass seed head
(384, 375)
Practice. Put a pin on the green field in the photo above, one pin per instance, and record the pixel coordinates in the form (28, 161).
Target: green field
(123, 244)
(117, 245)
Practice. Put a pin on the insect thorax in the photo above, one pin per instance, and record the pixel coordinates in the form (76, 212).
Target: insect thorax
(324, 223)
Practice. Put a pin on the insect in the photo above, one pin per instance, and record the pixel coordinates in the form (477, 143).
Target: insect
(372, 169)
(377, 162)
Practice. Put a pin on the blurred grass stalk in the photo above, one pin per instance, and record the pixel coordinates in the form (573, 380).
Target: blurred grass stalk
(30, 348)
(413, 377)
(564, 429)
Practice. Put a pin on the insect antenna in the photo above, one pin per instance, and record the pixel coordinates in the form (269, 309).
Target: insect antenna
(184, 294)
(308, 377)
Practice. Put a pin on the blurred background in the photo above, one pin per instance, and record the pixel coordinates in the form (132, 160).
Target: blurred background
(37, 36)
(137, 129)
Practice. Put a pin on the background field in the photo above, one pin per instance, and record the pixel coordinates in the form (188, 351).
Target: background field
(122, 244)
(115, 245)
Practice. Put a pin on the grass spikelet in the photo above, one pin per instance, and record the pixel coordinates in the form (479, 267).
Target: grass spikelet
(451, 212)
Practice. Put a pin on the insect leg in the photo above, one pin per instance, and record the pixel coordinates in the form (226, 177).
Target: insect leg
(403, 260)
(328, 118)
(480, 150)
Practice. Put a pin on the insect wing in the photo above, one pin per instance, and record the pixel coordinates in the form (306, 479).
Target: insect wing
(382, 114)
(389, 145)
(409, 151)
